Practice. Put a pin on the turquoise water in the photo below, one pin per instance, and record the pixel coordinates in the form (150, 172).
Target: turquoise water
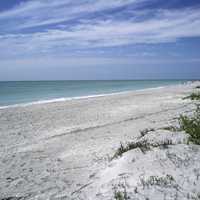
(20, 92)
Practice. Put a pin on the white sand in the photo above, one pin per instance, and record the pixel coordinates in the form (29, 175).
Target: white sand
(61, 150)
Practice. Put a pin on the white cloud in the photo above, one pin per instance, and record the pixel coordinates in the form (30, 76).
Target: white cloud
(39, 13)
(163, 26)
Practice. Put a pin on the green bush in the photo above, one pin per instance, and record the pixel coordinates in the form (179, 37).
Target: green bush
(122, 193)
(191, 125)
(194, 96)
(120, 196)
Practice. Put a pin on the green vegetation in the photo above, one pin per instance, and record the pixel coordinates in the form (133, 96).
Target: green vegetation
(121, 195)
(146, 131)
(122, 149)
(171, 128)
(165, 181)
(131, 145)
(193, 96)
(143, 145)
(13, 198)
(191, 125)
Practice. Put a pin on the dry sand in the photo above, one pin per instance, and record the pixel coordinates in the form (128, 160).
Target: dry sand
(62, 150)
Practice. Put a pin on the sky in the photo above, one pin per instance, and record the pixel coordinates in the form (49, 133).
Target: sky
(99, 39)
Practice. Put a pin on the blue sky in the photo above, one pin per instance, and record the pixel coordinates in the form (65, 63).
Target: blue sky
(99, 39)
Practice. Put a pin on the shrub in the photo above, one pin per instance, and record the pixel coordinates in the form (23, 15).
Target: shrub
(191, 125)
(121, 194)
(193, 96)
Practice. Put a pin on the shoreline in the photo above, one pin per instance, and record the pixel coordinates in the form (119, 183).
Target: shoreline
(64, 99)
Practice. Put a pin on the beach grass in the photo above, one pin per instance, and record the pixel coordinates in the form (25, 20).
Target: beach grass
(171, 128)
(144, 146)
(146, 131)
(191, 125)
(193, 96)
(121, 194)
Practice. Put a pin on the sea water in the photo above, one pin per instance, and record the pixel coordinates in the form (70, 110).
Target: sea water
(23, 92)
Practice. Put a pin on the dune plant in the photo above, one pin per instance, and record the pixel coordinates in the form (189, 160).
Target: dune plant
(146, 131)
(170, 128)
(191, 125)
(121, 194)
(194, 96)
(143, 145)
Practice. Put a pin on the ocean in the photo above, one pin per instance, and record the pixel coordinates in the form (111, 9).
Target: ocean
(33, 92)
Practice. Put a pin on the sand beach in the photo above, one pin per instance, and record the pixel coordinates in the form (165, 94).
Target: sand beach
(63, 150)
